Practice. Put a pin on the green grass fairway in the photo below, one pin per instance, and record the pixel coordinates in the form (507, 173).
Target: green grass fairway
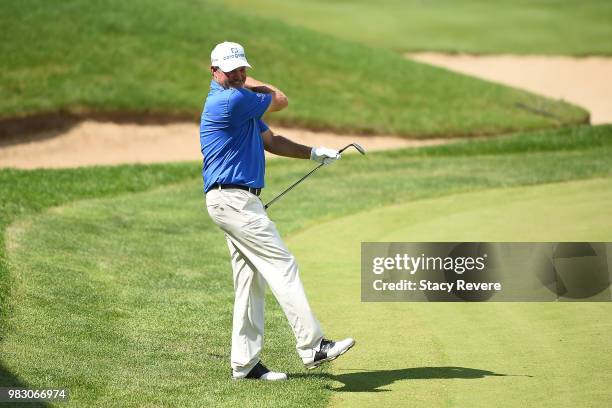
(137, 296)
(573, 211)
(464, 355)
(561, 27)
(151, 58)
(125, 296)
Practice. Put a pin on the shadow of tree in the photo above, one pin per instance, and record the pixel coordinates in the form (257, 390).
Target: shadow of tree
(372, 381)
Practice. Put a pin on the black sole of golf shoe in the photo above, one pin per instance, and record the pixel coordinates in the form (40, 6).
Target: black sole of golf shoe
(325, 360)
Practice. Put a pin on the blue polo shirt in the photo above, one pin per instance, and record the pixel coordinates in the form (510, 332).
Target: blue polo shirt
(230, 136)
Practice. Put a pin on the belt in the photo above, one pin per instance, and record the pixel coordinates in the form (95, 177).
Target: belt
(256, 191)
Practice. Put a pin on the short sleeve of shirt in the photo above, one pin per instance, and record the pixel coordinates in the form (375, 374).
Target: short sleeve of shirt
(245, 105)
(262, 126)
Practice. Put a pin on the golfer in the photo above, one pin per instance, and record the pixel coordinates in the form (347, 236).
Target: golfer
(233, 137)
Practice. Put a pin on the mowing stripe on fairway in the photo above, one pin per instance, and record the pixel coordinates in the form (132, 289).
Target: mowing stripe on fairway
(443, 354)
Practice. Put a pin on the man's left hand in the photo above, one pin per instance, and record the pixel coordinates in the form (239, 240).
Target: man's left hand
(324, 155)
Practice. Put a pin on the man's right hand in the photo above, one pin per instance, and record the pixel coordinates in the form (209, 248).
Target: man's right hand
(324, 155)
(279, 99)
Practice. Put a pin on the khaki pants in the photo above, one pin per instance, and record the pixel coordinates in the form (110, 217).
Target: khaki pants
(259, 258)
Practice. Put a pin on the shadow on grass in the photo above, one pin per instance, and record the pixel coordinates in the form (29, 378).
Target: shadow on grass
(371, 381)
(43, 126)
(10, 380)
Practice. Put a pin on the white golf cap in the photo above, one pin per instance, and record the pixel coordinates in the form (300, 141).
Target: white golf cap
(228, 56)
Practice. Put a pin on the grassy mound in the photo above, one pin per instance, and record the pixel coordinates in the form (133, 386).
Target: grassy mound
(151, 58)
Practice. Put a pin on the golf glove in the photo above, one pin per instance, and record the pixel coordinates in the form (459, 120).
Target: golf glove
(324, 155)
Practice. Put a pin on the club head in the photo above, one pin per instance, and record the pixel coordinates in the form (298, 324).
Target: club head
(356, 146)
(359, 148)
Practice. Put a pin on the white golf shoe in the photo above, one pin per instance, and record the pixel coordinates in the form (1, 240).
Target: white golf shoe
(328, 350)
(260, 372)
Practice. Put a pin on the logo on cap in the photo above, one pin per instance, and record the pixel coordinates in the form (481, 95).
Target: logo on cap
(228, 56)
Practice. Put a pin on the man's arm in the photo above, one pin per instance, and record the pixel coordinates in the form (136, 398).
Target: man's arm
(281, 146)
(279, 99)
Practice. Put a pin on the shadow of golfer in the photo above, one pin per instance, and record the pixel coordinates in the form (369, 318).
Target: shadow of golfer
(10, 380)
(371, 381)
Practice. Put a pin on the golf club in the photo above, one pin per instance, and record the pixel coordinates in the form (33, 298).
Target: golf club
(355, 145)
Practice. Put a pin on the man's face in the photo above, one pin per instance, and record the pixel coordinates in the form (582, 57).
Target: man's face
(231, 79)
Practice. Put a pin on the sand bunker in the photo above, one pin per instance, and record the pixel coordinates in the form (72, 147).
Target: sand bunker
(586, 82)
(105, 143)
(583, 81)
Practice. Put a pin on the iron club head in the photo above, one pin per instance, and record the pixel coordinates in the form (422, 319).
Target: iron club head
(356, 146)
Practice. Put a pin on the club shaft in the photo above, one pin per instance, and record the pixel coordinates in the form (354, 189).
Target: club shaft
(292, 186)
(359, 148)
(344, 148)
